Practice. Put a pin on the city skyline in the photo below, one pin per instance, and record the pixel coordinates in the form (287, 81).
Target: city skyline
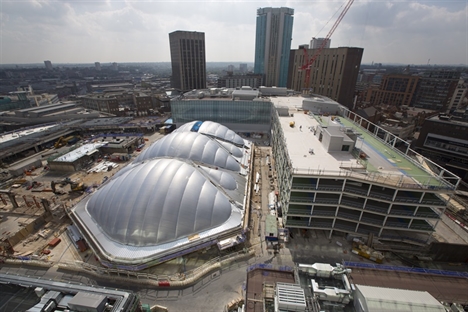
(413, 32)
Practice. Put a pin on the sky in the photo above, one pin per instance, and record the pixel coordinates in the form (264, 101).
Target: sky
(88, 31)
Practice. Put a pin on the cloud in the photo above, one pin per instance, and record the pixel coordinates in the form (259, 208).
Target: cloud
(124, 31)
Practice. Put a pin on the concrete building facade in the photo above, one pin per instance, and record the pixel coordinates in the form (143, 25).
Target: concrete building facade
(333, 74)
(235, 109)
(316, 43)
(444, 140)
(143, 103)
(459, 101)
(395, 90)
(188, 60)
(272, 44)
(48, 65)
(435, 89)
(243, 68)
(102, 103)
(237, 81)
(334, 175)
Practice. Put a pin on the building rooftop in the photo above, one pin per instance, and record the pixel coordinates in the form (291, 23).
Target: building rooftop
(106, 121)
(86, 149)
(391, 299)
(10, 136)
(448, 119)
(53, 108)
(383, 163)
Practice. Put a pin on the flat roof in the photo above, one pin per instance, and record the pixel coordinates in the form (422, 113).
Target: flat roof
(5, 137)
(81, 151)
(384, 164)
(106, 121)
(117, 84)
(49, 108)
(449, 121)
(392, 299)
(30, 109)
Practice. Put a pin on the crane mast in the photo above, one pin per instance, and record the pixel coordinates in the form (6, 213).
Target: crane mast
(307, 67)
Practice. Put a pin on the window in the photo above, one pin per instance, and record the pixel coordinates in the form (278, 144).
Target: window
(345, 148)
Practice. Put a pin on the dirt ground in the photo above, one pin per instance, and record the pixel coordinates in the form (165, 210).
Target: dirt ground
(34, 186)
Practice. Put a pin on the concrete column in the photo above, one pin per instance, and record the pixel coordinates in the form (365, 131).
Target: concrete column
(12, 198)
(46, 205)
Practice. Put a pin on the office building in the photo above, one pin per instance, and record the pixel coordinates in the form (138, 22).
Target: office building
(48, 65)
(243, 68)
(97, 66)
(337, 176)
(101, 102)
(239, 110)
(333, 74)
(336, 171)
(14, 100)
(188, 60)
(458, 106)
(395, 90)
(444, 140)
(435, 89)
(238, 81)
(316, 43)
(272, 44)
(115, 66)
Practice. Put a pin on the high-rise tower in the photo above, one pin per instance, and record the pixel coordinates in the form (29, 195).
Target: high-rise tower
(333, 74)
(48, 65)
(316, 43)
(188, 60)
(272, 44)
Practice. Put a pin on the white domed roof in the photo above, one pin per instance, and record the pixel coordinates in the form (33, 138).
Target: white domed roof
(213, 129)
(193, 146)
(158, 201)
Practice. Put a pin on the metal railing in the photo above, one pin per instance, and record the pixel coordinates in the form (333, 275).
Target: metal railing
(404, 269)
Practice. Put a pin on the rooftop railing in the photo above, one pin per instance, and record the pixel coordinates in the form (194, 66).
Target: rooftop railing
(405, 269)
(441, 175)
(394, 180)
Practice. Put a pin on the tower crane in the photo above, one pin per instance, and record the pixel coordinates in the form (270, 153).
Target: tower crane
(307, 67)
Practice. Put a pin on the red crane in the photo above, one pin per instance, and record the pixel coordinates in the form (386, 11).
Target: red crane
(308, 65)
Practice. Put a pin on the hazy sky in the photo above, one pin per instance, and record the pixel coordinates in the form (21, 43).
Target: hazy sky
(82, 31)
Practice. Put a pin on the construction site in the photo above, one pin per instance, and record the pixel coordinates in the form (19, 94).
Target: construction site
(33, 205)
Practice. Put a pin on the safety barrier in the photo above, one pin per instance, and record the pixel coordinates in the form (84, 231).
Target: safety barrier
(405, 269)
(175, 280)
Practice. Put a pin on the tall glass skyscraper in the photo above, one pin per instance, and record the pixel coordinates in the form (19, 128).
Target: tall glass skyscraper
(272, 44)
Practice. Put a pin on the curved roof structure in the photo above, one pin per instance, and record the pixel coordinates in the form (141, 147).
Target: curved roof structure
(156, 202)
(213, 129)
(185, 192)
(193, 146)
